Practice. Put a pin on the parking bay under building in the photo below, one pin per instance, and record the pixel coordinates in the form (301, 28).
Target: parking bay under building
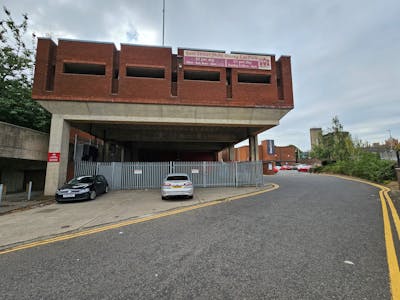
(154, 105)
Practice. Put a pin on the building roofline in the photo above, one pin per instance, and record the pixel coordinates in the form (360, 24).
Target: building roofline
(142, 45)
(86, 41)
(197, 49)
(251, 53)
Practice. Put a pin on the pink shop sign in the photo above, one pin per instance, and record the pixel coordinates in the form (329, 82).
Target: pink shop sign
(225, 60)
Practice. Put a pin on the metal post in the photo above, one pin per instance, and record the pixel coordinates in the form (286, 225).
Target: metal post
(112, 175)
(204, 174)
(75, 146)
(1, 192)
(236, 173)
(163, 22)
(29, 190)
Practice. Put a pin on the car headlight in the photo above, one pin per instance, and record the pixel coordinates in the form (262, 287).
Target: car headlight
(85, 190)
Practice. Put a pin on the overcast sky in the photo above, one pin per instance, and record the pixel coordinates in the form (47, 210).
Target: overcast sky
(345, 54)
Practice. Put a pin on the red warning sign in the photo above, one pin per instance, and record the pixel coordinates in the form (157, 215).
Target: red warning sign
(53, 157)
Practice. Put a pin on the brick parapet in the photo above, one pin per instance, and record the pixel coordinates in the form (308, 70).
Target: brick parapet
(52, 82)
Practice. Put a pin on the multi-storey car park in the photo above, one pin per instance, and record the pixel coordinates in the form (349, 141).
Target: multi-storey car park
(154, 104)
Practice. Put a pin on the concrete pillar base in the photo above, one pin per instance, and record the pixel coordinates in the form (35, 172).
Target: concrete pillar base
(253, 148)
(231, 153)
(56, 172)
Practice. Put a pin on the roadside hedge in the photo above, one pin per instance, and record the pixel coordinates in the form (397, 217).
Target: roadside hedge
(365, 165)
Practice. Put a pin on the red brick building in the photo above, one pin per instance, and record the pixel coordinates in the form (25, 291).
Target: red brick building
(158, 105)
(280, 155)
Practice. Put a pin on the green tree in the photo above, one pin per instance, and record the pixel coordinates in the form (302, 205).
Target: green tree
(336, 145)
(16, 72)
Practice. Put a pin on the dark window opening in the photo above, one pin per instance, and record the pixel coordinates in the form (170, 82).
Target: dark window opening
(145, 72)
(87, 69)
(229, 83)
(228, 76)
(254, 78)
(50, 78)
(201, 75)
(174, 84)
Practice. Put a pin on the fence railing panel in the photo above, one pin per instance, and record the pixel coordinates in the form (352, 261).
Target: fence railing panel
(142, 175)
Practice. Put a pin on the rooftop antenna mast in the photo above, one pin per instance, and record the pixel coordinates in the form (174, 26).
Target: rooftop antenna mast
(163, 22)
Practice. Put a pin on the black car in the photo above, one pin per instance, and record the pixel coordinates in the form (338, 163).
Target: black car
(82, 188)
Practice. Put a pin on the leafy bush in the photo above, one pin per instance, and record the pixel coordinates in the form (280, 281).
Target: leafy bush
(365, 165)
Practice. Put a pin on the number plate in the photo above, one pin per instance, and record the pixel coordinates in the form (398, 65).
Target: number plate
(68, 195)
(176, 187)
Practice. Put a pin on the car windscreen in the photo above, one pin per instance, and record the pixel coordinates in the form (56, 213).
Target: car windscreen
(81, 180)
(177, 177)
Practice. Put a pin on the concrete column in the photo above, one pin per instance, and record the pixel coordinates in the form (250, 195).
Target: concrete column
(231, 153)
(106, 151)
(56, 172)
(122, 153)
(253, 148)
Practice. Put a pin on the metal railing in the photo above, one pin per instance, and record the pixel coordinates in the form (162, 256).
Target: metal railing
(147, 175)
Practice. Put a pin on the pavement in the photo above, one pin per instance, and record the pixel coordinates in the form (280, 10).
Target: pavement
(24, 221)
(395, 193)
(19, 201)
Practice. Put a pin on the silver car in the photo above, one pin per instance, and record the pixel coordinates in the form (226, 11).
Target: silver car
(177, 184)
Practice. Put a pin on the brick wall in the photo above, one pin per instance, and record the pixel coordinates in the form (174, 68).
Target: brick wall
(53, 81)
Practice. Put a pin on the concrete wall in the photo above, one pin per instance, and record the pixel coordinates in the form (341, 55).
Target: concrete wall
(13, 180)
(23, 157)
(22, 143)
(315, 135)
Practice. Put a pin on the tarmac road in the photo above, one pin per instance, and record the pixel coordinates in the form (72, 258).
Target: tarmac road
(316, 237)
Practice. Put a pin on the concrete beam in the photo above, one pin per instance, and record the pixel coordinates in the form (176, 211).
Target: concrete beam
(131, 113)
(151, 133)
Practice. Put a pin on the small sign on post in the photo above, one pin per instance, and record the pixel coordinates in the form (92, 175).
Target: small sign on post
(53, 157)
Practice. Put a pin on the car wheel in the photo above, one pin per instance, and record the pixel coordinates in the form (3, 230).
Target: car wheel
(163, 198)
(190, 197)
(92, 195)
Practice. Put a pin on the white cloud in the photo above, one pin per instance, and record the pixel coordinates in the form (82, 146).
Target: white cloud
(345, 54)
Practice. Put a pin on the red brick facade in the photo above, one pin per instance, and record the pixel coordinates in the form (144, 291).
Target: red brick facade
(282, 155)
(117, 79)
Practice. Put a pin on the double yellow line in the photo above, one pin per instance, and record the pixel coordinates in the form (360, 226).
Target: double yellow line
(393, 263)
(69, 236)
(394, 272)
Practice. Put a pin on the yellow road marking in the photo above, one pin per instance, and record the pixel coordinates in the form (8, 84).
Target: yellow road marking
(393, 264)
(64, 237)
(389, 200)
(393, 210)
